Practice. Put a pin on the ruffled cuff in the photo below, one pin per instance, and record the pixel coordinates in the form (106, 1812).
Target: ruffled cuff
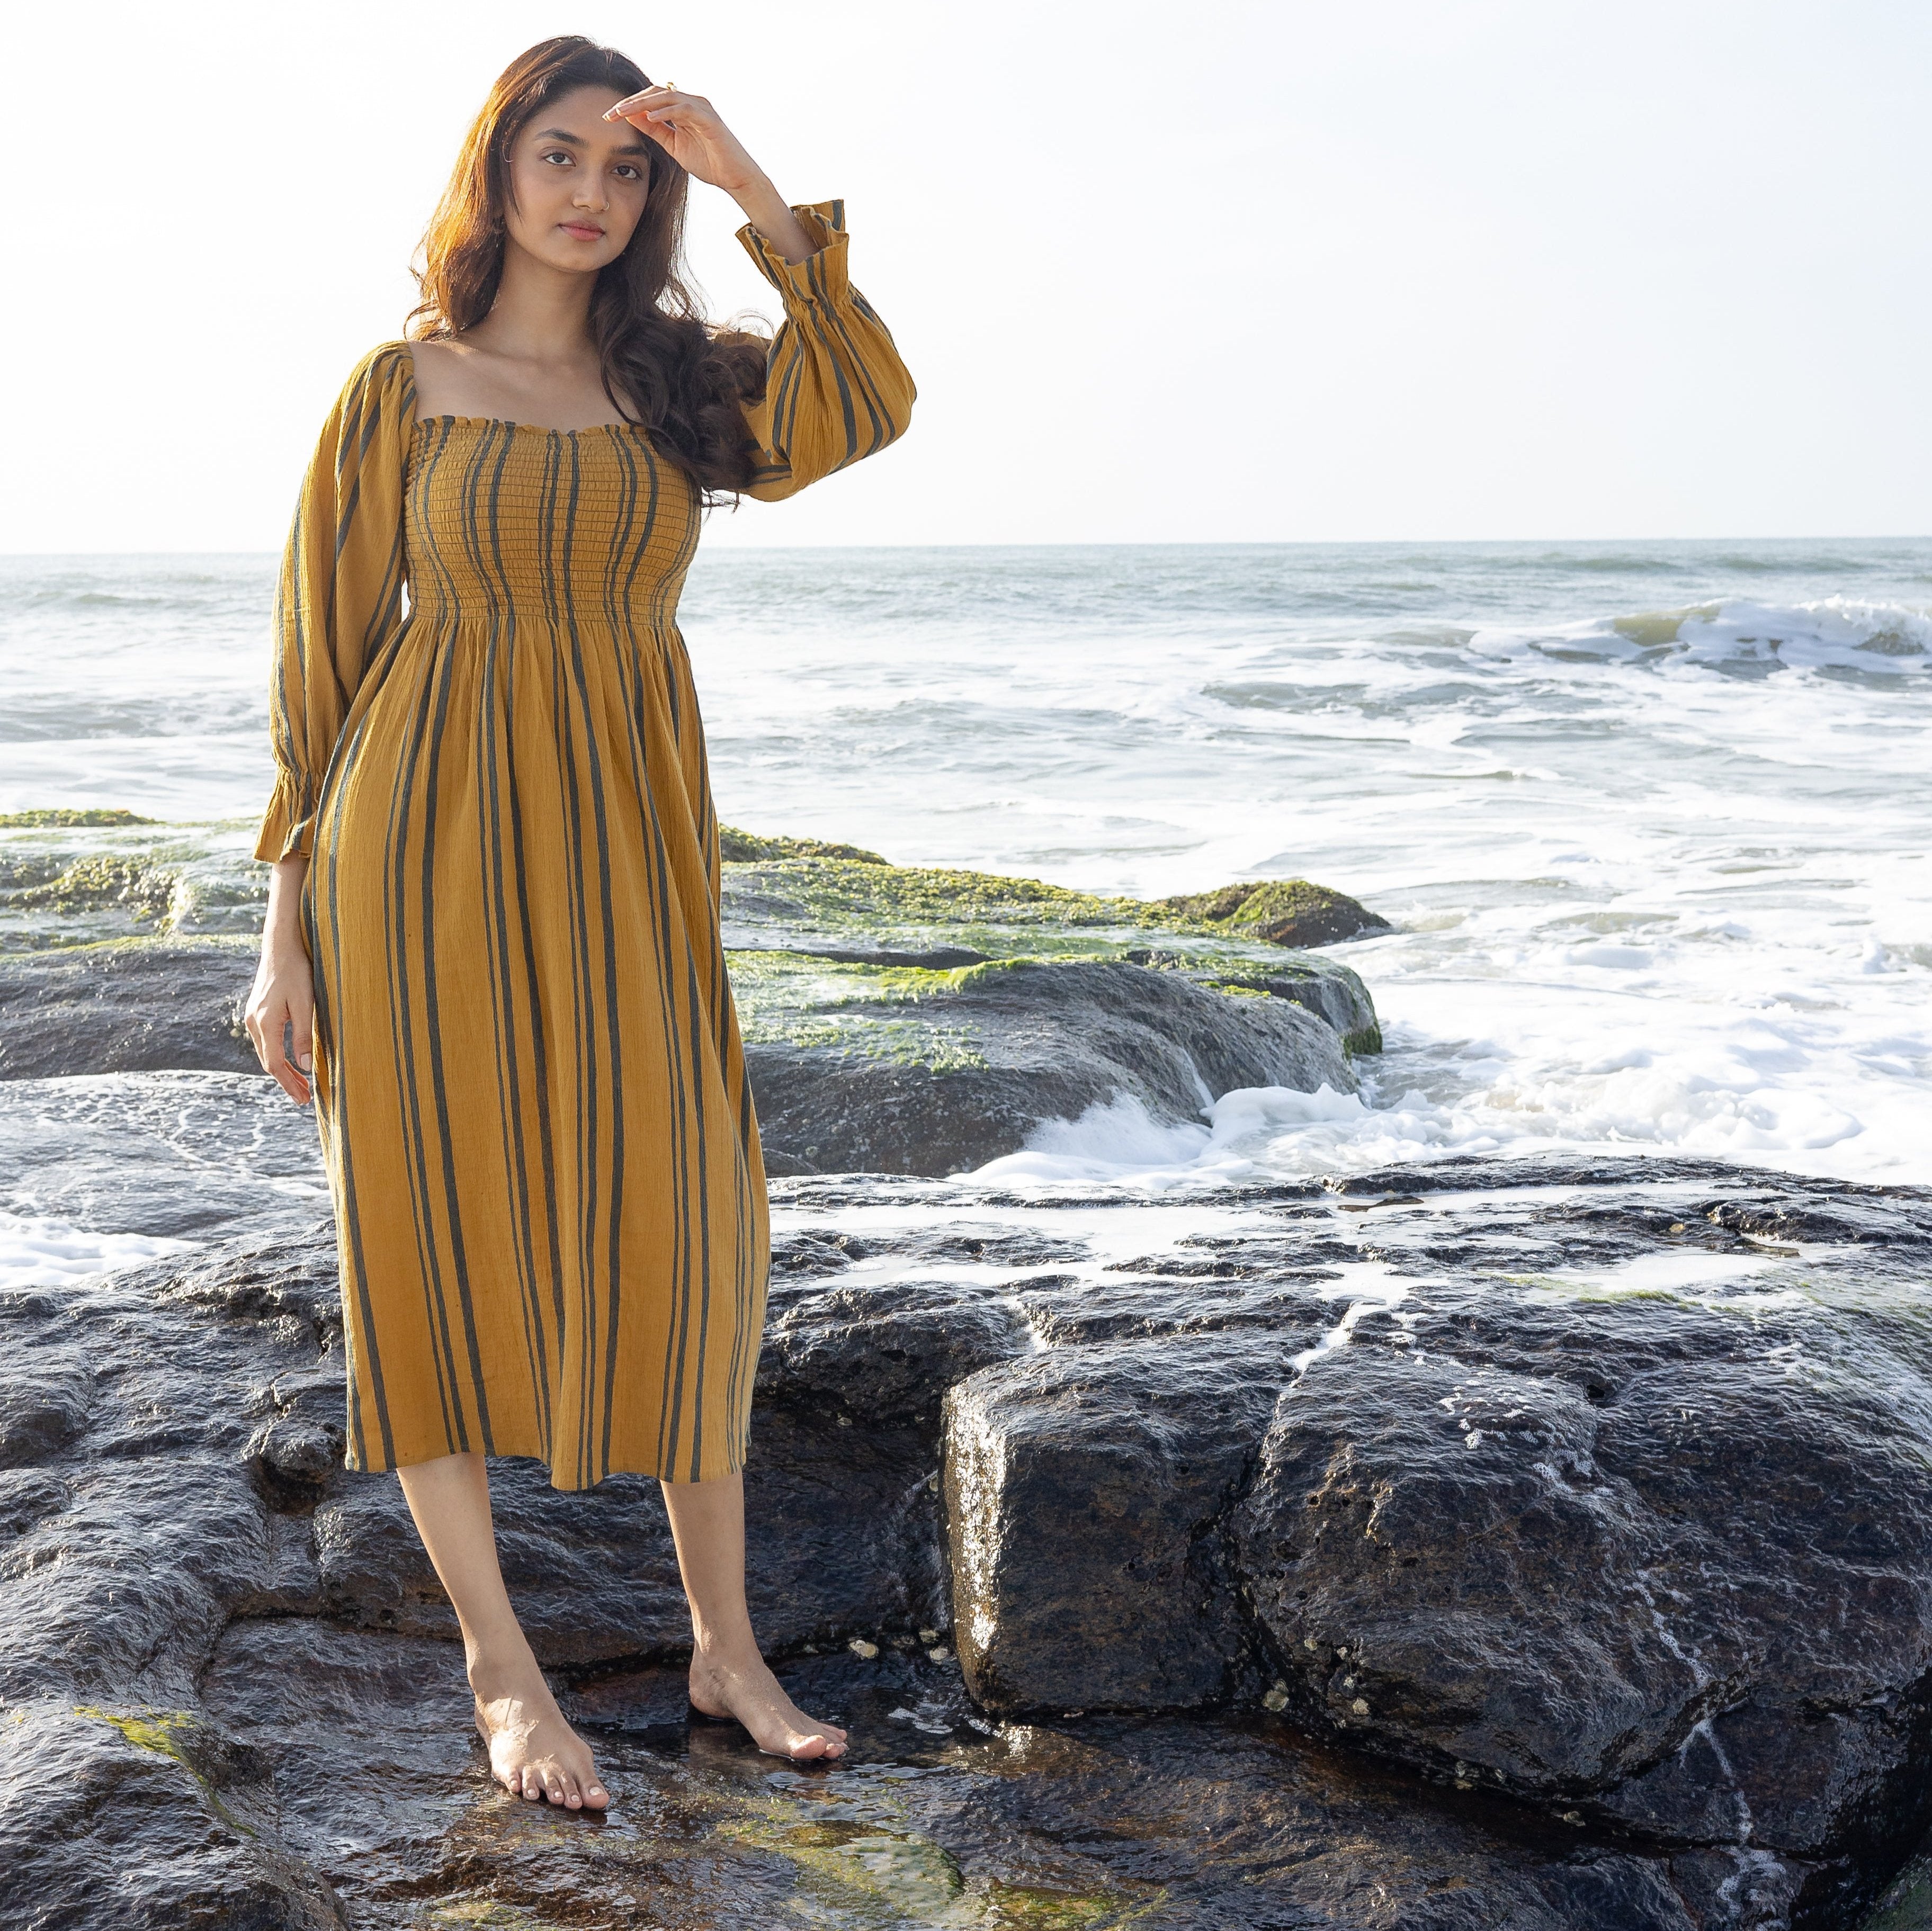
(286, 824)
(821, 277)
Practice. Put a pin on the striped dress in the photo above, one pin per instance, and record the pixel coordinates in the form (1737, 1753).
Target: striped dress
(532, 1098)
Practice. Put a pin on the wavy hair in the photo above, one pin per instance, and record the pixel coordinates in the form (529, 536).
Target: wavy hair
(665, 367)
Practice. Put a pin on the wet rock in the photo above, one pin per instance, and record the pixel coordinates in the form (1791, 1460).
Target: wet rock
(1065, 1313)
(1330, 990)
(966, 1071)
(1722, 1724)
(1082, 1489)
(1204, 1823)
(1752, 1503)
(133, 1006)
(43, 1407)
(133, 1818)
(1284, 912)
(829, 899)
(879, 1355)
(871, 1057)
(28, 1496)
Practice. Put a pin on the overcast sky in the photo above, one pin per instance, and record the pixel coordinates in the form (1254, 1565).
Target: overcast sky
(1215, 271)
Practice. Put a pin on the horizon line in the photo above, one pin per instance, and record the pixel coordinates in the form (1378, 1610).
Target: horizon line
(1201, 543)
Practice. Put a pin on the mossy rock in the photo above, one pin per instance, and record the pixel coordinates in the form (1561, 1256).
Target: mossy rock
(1282, 911)
(864, 1068)
(65, 815)
(106, 879)
(747, 847)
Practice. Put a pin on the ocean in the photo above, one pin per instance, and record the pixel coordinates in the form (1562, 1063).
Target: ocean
(1650, 818)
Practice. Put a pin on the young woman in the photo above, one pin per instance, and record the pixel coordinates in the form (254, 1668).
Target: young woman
(493, 924)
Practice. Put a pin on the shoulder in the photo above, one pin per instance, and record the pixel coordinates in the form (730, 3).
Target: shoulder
(384, 379)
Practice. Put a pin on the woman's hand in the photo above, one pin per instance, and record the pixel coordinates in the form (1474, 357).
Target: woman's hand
(283, 996)
(687, 127)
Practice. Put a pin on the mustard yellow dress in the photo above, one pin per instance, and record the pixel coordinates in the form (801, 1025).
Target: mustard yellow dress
(531, 1094)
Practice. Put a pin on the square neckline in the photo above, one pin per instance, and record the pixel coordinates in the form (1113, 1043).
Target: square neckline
(418, 421)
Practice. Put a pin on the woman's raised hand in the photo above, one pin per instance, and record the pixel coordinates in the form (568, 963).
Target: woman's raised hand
(687, 127)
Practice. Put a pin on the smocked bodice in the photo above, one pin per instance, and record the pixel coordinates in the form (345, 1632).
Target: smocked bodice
(507, 524)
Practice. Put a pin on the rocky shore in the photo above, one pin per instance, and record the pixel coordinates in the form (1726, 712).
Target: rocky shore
(1541, 1546)
(1399, 1554)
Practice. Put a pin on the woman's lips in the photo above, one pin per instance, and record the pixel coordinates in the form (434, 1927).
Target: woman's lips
(583, 230)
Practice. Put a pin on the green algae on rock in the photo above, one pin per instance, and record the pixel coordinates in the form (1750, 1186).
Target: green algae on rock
(67, 815)
(738, 847)
(147, 891)
(1283, 911)
(74, 878)
(891, 916)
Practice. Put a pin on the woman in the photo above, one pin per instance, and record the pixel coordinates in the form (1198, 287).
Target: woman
(493, 923)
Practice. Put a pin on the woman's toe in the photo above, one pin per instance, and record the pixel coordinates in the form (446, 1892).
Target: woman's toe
(596, 1796)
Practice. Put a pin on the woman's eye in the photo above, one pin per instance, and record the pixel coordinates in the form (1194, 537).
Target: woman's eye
(630, 171)
(556, 154)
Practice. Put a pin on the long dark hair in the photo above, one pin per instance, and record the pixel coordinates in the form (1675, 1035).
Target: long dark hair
(665, 368)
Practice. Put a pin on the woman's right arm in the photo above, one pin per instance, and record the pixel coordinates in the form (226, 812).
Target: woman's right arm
(339, 600)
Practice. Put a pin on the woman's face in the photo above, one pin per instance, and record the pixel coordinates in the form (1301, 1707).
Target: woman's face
(577, 182)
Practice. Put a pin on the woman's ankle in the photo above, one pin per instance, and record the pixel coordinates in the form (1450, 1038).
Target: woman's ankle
(727, 1655)
(502, 1668)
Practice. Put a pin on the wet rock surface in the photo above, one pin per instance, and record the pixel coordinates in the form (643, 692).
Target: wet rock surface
(977, 1062)
(138, 1005)
(1540, 1545)
(875, 1066)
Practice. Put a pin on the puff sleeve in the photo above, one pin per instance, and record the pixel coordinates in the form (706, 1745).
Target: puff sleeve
(835, 390)
(341, 595)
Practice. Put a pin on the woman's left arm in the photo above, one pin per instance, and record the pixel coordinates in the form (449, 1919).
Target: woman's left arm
(835, 389)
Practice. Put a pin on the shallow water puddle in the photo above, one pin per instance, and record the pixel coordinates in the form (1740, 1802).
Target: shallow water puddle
(1375, 1287)
(1663, 1273)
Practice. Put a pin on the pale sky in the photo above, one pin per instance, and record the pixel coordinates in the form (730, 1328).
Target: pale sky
(1221, 272)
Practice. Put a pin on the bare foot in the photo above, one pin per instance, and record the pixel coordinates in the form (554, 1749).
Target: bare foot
(741, 1686)
(533, 1752)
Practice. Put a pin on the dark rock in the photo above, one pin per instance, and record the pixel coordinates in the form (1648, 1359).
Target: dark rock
(1667, 1617)
(1035, 1042)
(133, 1819)
(42, 1408)
(1066, 1314)
(926, 958)
(1081, 1488)
(1752, 1505)
(28, 1496)
(885, 1354)
(1334, 994)
(1208, 1825)
(130, 1006)
(935, 1079)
